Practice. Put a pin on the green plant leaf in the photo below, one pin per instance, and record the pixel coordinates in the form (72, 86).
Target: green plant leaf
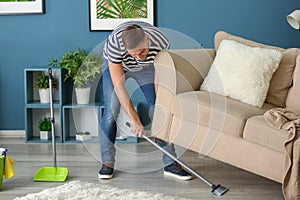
(43, 82)
(44, 124)
(122, 9)
(80, 67)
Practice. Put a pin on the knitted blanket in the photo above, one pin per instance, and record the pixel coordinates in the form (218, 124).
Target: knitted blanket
(284, 119)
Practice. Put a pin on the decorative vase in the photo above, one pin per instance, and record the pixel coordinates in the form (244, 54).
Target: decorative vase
(45, 135)
(83, 95)
(44, 95)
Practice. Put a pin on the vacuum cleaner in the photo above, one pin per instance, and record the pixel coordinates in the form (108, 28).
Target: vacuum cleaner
(218, 190)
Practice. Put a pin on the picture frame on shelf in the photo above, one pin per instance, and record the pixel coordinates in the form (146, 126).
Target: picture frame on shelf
(108, 14)
(14, 7)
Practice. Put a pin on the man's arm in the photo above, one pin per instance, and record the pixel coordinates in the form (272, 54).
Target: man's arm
(118, 80)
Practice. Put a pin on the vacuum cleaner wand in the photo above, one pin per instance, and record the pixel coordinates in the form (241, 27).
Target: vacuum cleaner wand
(216, 189)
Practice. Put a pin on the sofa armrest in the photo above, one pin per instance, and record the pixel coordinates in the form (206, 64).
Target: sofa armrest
(177, 71)
(183, 70)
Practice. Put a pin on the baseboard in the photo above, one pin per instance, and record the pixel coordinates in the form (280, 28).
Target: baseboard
(12, 134)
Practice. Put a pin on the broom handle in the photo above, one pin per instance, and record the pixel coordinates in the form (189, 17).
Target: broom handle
(177, 160)
(52, 118)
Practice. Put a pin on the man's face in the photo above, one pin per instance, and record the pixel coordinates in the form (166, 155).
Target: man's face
(141, 51)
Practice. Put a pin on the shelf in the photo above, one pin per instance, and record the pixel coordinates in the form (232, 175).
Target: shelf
(128, 140)
(31, 92)
(69, 105)
(37, 104)
(70, 117)
(72, 139)
(36, 139)
(80, 118)
(34, 110)
(32, 117)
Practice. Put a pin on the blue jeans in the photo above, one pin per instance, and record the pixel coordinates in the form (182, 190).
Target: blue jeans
(145, 80)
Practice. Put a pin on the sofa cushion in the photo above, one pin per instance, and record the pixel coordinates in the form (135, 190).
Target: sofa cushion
(292, 101)
(282, 78)
(242, 72)
(266, 136)
(215, 111)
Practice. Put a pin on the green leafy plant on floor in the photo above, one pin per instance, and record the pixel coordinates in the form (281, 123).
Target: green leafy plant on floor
(121, 9)
(81, 68)
(44, 124)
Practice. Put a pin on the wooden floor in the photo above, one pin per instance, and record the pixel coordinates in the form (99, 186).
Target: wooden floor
(138, 167)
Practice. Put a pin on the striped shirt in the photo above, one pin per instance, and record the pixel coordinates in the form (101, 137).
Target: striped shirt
(115, 51)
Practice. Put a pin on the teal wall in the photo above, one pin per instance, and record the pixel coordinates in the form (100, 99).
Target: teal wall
(31, 40)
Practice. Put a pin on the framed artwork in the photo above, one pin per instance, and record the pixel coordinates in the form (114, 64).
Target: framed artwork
(12, 7)
(108, 14)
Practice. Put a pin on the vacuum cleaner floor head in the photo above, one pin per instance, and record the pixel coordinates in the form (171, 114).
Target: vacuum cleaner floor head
(219, 190)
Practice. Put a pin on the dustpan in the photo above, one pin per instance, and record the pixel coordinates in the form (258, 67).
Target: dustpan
(58, 174)
(54, 173)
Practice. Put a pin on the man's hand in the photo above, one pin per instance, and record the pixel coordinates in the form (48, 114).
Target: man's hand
(136, 128)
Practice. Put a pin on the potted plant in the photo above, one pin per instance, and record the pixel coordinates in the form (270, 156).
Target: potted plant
(44, 126)
(42, 84)
(81, 136)
(82, 69)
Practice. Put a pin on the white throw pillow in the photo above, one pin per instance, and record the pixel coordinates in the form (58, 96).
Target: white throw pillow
(242, 72)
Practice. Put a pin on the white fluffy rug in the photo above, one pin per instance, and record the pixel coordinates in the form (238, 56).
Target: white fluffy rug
(89, 191)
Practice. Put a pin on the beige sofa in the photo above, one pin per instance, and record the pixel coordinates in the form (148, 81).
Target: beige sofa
(221, 127)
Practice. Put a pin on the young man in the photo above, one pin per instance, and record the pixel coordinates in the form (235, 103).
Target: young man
(129, 52)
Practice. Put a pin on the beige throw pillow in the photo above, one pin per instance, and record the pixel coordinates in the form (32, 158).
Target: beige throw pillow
(282, 78)
(292, 100)
(242, 72)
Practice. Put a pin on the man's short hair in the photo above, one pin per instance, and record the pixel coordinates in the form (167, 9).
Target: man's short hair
(132, 36)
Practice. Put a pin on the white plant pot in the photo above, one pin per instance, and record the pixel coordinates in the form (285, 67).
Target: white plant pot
(45, 135)
(83, 95)
(44, 95)
(83, 137)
